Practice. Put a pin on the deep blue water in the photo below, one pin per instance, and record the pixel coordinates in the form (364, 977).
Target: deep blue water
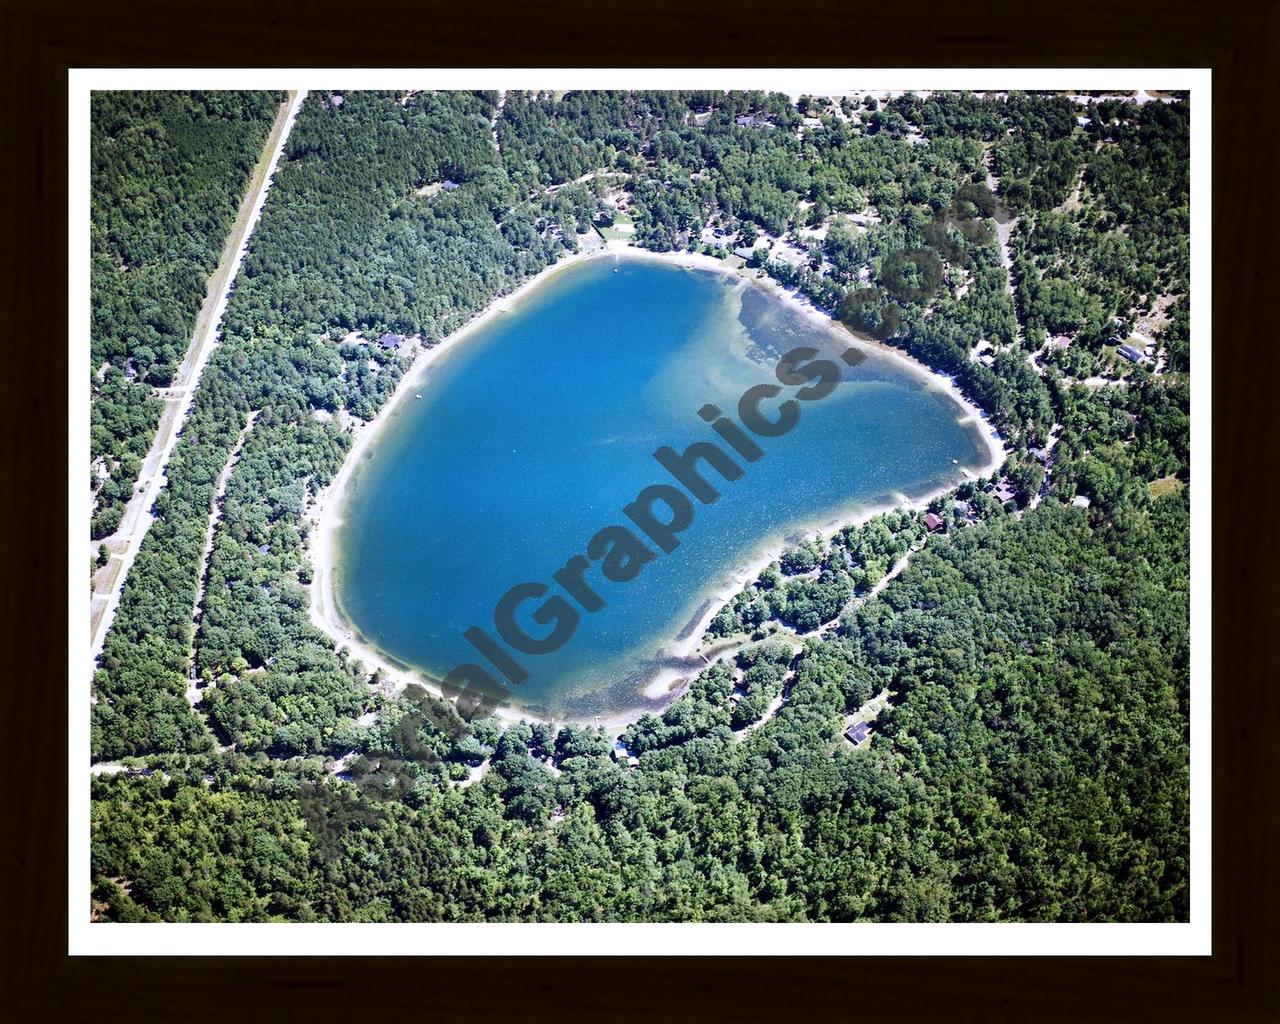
(535, 432)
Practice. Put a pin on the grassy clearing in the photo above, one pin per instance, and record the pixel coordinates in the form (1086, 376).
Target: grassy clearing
(622, 227)
(1165, 485)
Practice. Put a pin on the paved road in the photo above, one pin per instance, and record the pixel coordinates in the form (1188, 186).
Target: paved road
(137, 517)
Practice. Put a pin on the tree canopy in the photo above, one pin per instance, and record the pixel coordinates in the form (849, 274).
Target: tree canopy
(1024, 676)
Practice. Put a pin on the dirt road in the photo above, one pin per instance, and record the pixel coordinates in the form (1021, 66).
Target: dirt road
(124, 544)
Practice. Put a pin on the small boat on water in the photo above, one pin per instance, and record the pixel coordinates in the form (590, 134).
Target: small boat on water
(418, 395)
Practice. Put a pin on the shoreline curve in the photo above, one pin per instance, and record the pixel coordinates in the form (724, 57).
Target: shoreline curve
(666, 684)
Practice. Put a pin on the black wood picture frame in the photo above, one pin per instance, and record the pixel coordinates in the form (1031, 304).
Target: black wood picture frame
(1238, 39)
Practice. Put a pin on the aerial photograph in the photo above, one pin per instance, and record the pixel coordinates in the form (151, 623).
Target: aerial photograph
(654, 505)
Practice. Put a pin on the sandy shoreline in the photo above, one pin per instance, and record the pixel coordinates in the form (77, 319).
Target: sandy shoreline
(325, 510)
(934, 379)
(675, 681)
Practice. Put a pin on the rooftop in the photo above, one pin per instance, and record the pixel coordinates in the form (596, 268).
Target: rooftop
(1005, 491)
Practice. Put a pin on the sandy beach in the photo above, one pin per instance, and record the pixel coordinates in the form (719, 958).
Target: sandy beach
(325, 512)
(674, 681)
(802, 303)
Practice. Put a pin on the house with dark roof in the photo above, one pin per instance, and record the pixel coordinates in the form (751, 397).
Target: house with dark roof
(449, 184)
(391, 341)
(857, 733)
(1132, 354)
(1005, 492)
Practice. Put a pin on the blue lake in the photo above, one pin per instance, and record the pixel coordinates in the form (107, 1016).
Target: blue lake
(535, 432)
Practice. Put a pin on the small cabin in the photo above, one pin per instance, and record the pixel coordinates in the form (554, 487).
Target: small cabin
(857, 733)
(933, 522)
(1005, 492)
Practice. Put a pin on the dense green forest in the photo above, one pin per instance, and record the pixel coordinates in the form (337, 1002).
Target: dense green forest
(168, 171)
(355, 239)
(1029, 660)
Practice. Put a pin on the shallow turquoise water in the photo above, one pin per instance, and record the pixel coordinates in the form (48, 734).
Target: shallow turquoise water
(535, 433)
